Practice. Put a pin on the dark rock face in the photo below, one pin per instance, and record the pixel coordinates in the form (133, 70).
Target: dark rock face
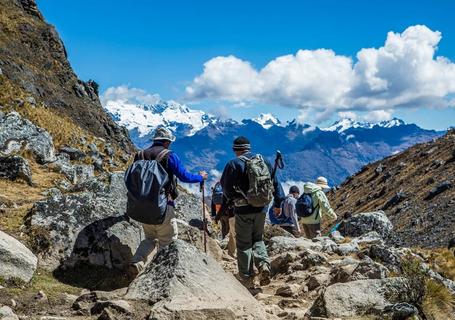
(33, 57)
(446, 185)
(366, 222)
(87, 227)
(15, 167)
(73, 153)
(183, 283)
(17, 133)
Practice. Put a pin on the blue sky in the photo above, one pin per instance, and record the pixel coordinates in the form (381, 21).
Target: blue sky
(161, 47)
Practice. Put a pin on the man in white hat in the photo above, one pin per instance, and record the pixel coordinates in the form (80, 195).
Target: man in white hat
(321, 207)
(161, 235)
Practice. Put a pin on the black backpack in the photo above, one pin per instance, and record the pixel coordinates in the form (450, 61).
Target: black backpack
(217, 194)
(304, 205)
(145, 181)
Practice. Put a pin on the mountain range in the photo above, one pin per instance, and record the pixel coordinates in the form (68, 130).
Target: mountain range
(204, 141)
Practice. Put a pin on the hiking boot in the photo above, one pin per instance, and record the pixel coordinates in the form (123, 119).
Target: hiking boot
(133, 271)
(264, 275)
(246, 281)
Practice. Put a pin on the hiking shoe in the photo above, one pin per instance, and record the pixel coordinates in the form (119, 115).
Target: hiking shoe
(264, 275)
(133, 271)
(247, 282)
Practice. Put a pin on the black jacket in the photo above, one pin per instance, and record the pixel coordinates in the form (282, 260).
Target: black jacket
(234, 175)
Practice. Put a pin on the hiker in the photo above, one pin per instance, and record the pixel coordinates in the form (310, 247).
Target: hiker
(247, 181)
(227, 218)
(162, 234)
(319, 207)
(289, 219)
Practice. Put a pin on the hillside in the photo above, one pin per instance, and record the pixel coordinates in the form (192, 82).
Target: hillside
(34, 62)
(416, 188)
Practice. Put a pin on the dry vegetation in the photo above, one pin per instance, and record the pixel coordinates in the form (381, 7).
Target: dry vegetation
(438, 302)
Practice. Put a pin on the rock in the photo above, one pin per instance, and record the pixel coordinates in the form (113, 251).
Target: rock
(362, 223)
(88, 226)
(40, 296)
(327, 244)
(369, 238)
(345, 249)
(401, 311)
(281, 263)
(385, 255)
(194, 236)
(77, 173)
(73, 153)
(98, 164)
(16, 260)
(362, 297)
(14, 167)
(311, 258)
(289, 290)
(183, 283)
(271, 231)
(6, 313)
(446, 185)
(108, 314)
(342, 273)
(318, 280)
(120, 306)
(397, 198)
(16, 132)
(368, 269)
(282, 244)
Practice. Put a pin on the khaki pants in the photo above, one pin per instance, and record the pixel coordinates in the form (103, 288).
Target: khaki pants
(156, 237)
(311, 230)
(232, 247)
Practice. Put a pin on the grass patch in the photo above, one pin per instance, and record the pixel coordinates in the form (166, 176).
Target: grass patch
(438, 302)
(442, 260)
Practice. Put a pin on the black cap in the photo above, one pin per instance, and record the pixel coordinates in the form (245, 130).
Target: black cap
(241, 143)
(294, 189)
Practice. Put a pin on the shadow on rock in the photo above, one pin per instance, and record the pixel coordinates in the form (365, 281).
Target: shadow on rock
(101, 254)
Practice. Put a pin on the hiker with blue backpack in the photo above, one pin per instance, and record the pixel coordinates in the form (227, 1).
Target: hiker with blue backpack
(248, 182)
(313, 206)
(152, 190)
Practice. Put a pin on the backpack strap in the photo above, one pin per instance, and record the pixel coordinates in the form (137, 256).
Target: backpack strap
(162, 155)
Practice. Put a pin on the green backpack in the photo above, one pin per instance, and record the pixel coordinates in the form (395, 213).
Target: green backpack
(260, 191)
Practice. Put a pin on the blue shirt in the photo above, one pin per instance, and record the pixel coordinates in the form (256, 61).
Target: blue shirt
(175, 165)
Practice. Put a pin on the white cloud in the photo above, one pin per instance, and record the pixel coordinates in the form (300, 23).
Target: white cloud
(348, 115)
(125, 94)
(378, 116)
(403, 73)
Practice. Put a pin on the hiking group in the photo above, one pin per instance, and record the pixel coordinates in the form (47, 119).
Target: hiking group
(240, 201)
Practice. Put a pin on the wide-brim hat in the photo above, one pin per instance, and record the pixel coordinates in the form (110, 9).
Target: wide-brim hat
(163, 134)
(322, 182)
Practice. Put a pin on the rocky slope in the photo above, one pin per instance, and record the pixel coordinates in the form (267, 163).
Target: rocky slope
(416, 188)
(33, 59)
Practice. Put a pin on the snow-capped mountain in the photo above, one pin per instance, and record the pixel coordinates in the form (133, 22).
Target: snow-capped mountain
(144, 119)
(205, 142)
(267, 120)
(345, 124)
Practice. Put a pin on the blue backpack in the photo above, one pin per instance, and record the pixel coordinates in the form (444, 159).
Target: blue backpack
(145, 181)
(304, 205)
(217, 194)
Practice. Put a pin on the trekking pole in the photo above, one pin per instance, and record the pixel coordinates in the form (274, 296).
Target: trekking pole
(279, 164)
(204, 219)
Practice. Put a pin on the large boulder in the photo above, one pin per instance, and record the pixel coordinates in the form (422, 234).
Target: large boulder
(17, 133)
(88, 226)
(16, 260)
(183, 283)
(363, 297)
(362, 223)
